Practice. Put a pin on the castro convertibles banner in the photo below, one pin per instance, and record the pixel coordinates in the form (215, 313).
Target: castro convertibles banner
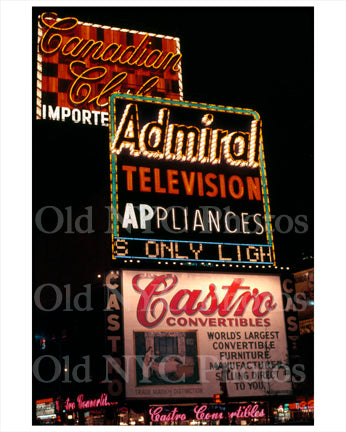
(79, 65)
(190, 335)
(188, 182)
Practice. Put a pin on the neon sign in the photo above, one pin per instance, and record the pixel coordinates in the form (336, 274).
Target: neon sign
(247, 411)
(81, 403)
(188, 182)
(79, 65)
(43, 401)
(157, 416)
(202, 413)
(302, 405)
(187, 143)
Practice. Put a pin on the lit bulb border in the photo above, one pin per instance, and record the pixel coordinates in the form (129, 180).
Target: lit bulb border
(81, 23)
(186, 104)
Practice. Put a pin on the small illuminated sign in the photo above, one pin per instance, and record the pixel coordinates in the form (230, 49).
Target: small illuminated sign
(45, 408)
(188, 182)
(79, 65)
(302, 405)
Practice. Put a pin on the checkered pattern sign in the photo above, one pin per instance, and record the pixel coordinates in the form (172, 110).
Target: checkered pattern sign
(79, 65)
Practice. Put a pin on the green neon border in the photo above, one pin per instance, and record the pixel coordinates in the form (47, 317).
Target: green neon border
(243, 111)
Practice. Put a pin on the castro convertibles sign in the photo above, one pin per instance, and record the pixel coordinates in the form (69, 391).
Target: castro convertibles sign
(188, 182)
(187, 335)
(79, 65)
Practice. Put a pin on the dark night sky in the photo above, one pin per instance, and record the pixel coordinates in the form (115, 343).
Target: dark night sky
(258, 58)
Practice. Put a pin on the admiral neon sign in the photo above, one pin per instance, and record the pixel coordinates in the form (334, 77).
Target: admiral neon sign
(188, 182)
(186, 143)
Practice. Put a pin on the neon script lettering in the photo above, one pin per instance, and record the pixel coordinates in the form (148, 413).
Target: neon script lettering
(92, 60)
(102, 401)
(157, 416)
(247, 411)
(114, 53)
(201, 414)
(162, 140)
(191, 302)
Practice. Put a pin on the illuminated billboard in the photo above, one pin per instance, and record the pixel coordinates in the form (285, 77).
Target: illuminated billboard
(45, 409)
(188, 182)
(196, 335)
(79, 65)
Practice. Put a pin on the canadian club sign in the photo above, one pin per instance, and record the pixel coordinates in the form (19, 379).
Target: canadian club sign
(79, 65)
(188, 182)
(188, 335)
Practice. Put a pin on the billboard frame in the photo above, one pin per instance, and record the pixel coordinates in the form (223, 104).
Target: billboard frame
(114, 176)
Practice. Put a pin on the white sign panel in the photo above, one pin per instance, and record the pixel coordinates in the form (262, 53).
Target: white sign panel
(191, 335)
